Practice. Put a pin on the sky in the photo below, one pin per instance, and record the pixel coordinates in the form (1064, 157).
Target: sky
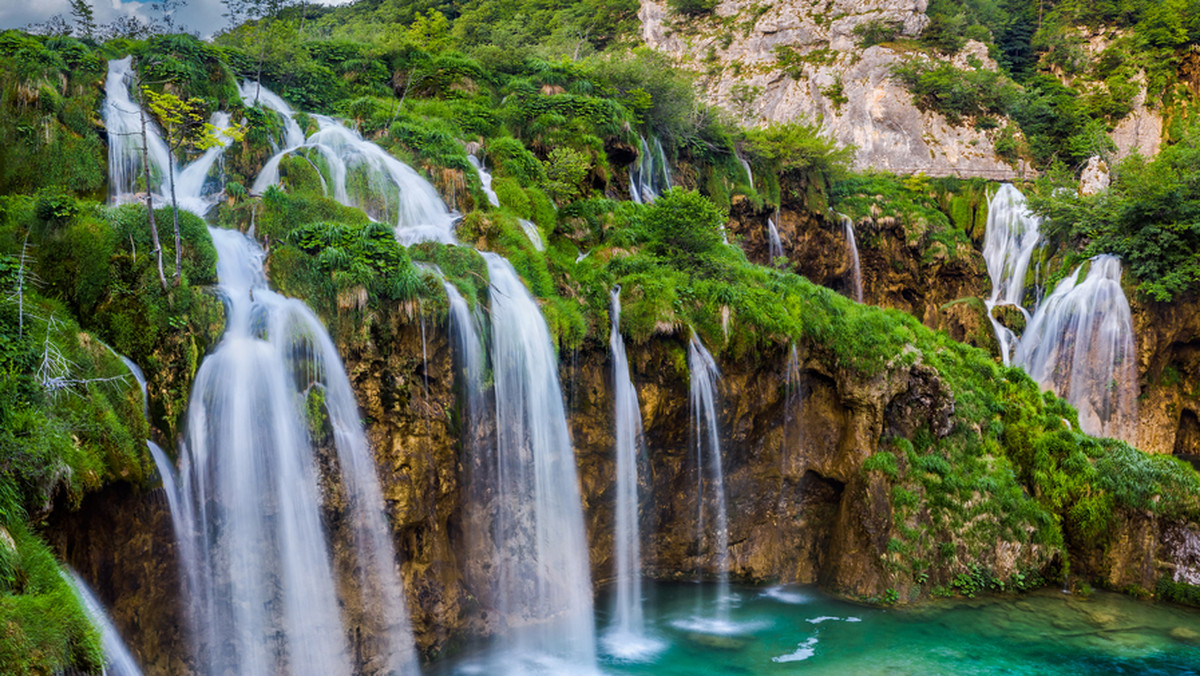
(200, 16)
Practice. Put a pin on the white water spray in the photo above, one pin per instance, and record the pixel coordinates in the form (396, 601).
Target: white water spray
(1012, 236)
(1080, 345)
(852, 250)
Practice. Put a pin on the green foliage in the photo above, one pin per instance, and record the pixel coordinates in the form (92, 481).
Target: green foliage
(693, 7)
(882, 461)
(956, 93)
(1148, 217)
(800, 147)
(47, 629)
(683, 224)
(877, 31)
(1177, 592)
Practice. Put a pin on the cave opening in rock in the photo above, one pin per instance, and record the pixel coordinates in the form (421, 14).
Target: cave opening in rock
(1187, 438)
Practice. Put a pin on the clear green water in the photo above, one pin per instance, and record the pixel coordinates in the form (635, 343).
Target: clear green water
(799, 630)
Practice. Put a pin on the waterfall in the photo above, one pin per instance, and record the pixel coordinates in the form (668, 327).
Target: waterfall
(626, 639)
(122, 119)
(485, 179)
(264, 591)
(749, 173)
(650, 176)
(706, 441)
(774, 244)
(254, 93)
(531, 231)
(1080, 345)
(118, 660)
(852, 251)
(1012, 236)
(367, 177)
(540, 579)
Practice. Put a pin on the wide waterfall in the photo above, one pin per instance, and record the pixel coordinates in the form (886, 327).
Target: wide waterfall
(1012, 235)
(263, 587)
(118, 661)
(364, 176)
(1080, 345)
(710, 481)
(540, 581)
(261, 584)
(650, 176)
(856, 280)
(253, 93)
(626, 639)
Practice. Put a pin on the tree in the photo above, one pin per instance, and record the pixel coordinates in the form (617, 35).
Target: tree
(258, 11)
(185, 128)
(85, 18)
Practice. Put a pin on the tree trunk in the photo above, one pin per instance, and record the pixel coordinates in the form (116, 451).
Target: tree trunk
(149, 200)
(175, 212)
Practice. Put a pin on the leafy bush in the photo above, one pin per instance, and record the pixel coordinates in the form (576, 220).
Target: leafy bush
(956, 93)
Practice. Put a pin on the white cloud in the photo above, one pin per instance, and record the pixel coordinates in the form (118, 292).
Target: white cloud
(200, 16)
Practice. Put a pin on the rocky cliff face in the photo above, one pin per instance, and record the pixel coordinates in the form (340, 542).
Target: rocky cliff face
(796, 59)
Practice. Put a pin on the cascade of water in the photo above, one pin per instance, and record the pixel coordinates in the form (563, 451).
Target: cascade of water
(367, 177)
(122, 118)
(626, 639)
(531, 231)
(749, 174)
(1080, 344)
(707, 443)
(650, 176)
(118, 660)
(852, 251)
(254, 93)
(1012, 235)
(486, 179)
(264, 594)
(774, 244)
(540, 580)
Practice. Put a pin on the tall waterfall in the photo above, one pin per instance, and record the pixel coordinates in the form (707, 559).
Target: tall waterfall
(852, 251)
(531, 231)
(540, 580)
(1012, 236)
(264, 590)
(626, 639)
(1080, 345)
(260, 581)
(710, 475)
(650, 176)
(118, 661)
(367, 177)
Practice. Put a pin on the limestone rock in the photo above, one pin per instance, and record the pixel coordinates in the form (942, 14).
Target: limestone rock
(801, 60)
(1094, 178)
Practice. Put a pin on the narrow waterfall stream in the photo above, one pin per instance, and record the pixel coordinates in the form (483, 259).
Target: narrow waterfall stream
(1080, 344)
(856, 280)
(650, 176)
(118, 660)
(774, 244)
(626, 638)
(485, 179)
(1012, 236)
(712, 520)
